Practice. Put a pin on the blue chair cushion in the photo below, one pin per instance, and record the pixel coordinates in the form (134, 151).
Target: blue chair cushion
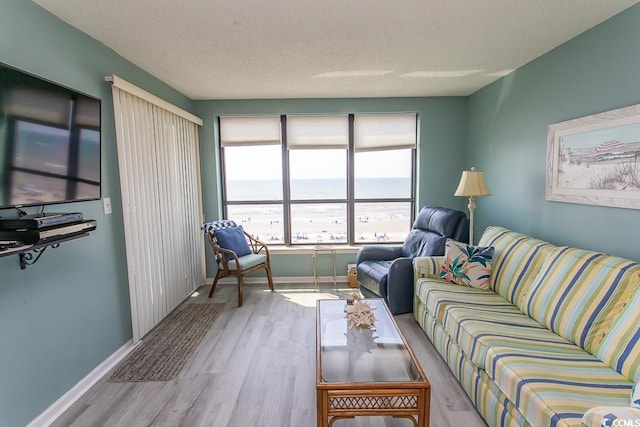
(372, 275)
(430, 231)
(233, 238)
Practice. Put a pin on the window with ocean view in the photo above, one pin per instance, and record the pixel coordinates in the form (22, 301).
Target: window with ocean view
(309, 180)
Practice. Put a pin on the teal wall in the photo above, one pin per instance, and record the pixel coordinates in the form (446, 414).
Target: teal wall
(63, 316)
(594, 72)
(66, 314)
(441, 140)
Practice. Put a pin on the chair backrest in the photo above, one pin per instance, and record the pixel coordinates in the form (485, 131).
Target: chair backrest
(210, 227)
(430, 231)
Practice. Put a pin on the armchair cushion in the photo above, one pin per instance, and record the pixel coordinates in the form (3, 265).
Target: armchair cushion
(373, 275)
(233, 238)
(430, 231)
(423, 243)
(378, 253)
(248, 261)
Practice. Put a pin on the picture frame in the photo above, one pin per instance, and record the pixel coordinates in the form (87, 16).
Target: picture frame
(595, 160)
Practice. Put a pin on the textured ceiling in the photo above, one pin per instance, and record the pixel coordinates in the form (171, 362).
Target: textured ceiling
(250, 49)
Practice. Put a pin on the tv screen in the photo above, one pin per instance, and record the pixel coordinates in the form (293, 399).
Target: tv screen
(49, 142)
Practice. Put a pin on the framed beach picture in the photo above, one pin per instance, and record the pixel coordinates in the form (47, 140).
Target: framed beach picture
(595, 159)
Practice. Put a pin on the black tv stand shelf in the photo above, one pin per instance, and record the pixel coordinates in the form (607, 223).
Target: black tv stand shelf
(30, 254)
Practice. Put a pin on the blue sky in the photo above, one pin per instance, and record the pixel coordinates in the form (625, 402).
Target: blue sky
(624, 134)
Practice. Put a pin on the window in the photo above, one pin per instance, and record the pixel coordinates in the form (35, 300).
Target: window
(384, 149)
(253, 175)
(332, 179)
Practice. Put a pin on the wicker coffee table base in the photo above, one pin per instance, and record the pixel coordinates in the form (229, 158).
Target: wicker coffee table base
(341, 401)
(388, 381)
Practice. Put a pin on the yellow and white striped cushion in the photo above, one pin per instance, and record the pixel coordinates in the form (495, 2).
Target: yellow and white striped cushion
(478, 320)
(555, 389)
(603, 416)
(437, 295)
(620, 347)
(478, 330)
(427, 267)
(578, 293)
(517, 258)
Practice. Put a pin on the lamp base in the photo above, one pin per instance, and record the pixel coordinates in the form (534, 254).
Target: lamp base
(471, 207)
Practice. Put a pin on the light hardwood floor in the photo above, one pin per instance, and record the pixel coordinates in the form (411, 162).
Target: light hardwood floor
(256, 367)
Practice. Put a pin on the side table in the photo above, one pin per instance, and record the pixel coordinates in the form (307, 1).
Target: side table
(314, 258)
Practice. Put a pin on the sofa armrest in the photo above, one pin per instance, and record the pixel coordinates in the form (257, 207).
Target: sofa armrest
(400, 286)
(378, 253)
(427, 267)
(604, 416)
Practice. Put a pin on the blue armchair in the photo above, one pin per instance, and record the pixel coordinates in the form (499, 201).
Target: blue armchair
(387, 271)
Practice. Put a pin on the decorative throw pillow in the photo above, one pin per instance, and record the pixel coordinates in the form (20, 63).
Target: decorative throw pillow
(233, 238)
(635, 395)
(467, 265)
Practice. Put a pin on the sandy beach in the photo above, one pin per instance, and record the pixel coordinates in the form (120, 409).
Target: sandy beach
(583, 176)
(313, 227)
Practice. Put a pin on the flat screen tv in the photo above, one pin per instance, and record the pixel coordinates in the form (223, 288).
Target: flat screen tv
(49, 142)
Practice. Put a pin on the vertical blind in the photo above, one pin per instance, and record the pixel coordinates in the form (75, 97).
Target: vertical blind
(159, 167)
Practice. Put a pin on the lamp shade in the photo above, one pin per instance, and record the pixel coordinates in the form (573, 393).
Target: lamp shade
(472, 183)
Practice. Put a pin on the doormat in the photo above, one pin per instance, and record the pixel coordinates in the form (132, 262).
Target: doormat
(170, 345)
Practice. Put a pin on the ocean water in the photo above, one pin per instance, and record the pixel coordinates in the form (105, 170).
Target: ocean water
(305, 189)
(323, 222)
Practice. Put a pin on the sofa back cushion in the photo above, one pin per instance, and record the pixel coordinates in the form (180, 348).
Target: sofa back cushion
(578, 293)
(620, 347)
(517, 258)
(431, 228)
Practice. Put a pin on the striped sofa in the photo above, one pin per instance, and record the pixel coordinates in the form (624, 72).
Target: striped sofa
(554, 342)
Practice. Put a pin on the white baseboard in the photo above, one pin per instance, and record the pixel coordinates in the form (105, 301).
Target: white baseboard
(69, 398)
(303, 280)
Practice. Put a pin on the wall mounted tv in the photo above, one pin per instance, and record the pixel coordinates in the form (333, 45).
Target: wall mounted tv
(49, 142)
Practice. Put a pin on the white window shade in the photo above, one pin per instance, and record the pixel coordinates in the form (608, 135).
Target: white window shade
(314, 132)
(243, 131)
(384, 131)
(40, 106)
(88, 113)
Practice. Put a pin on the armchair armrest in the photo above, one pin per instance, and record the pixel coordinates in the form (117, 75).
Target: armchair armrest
(400, 287)
(378, 253)
(257, 245)
(224, 256)
(606, 415)
(427, 267)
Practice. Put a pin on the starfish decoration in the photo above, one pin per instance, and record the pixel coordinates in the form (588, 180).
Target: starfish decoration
(360, 314)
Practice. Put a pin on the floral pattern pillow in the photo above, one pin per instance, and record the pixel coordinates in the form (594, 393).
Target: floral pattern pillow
(635, 395)
(467, 265)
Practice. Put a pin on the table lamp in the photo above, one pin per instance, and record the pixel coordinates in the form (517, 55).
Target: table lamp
(472, 184)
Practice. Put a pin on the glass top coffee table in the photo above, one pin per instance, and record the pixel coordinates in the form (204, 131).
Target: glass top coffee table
(366, 372)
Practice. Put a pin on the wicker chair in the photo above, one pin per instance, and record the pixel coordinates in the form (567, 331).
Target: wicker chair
(237, 253)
